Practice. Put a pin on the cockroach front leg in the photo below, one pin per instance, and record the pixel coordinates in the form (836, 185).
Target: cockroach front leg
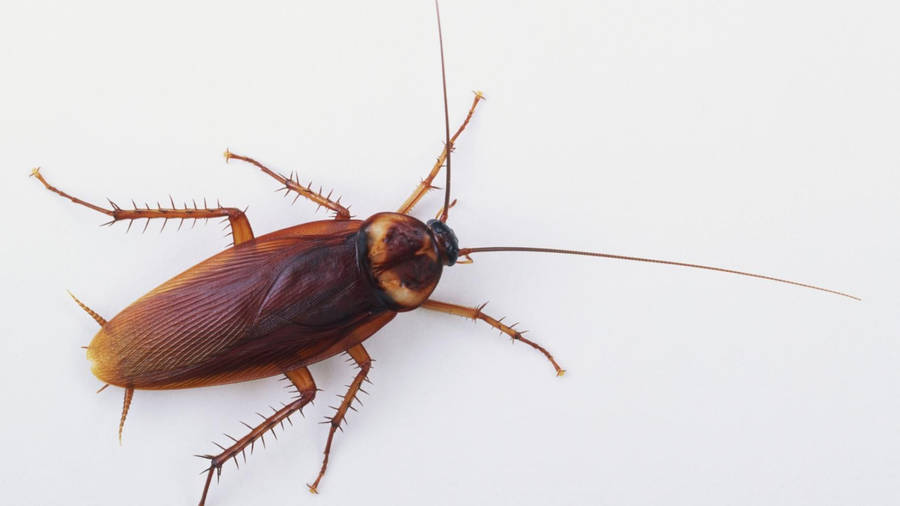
(476, 313)
(306, 388)
(425, 185)
(292, 184)
(359, 355)
(240, 226)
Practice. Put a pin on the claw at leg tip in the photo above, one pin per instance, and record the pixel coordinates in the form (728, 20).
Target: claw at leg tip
(35, 172)
(227, 155)
(312, 489)
(561, 372)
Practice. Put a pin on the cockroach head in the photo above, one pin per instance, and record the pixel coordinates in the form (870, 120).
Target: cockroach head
(446, 240)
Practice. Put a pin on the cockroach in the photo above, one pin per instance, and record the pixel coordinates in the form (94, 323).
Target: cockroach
(274, 304)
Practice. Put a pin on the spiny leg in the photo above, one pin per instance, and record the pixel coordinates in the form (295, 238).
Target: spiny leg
(426, 185)
(477, 314)
(359, 355)
(306, 387)
(240, 226)
(293, 184)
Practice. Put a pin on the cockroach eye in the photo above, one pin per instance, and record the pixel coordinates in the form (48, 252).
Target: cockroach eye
(446, 240)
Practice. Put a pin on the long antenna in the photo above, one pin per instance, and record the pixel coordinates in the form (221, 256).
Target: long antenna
(469, 251)
(447, 145)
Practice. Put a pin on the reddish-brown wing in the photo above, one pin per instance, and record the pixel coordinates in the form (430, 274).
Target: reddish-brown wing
(269, 305)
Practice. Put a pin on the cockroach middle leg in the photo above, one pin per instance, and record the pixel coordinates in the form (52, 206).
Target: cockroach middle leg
(425, 185)
(476, 313)
(359, 355)
(306, 387)
(240, 225)
(292, 184)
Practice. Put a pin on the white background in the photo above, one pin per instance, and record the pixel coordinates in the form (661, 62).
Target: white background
(754, 135)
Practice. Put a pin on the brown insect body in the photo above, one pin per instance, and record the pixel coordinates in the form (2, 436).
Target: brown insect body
(272, 304)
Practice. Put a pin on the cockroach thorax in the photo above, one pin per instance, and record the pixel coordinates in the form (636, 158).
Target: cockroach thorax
(404, 257)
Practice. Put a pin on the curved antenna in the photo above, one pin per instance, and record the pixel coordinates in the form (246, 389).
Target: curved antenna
(468, 251)
(447, 146)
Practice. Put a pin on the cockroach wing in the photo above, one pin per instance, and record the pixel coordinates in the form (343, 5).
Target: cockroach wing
(278, 302)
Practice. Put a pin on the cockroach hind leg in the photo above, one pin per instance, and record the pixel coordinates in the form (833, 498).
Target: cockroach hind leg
(240, 225)
(97, 318)
(303, 381)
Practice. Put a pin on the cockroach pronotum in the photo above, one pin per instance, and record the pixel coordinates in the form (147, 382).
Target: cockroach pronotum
(273, 304)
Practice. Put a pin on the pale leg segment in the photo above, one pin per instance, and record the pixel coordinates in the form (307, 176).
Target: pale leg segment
(425, 185)
(476, 313)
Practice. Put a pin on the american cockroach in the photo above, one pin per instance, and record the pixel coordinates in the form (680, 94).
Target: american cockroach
(273, 304)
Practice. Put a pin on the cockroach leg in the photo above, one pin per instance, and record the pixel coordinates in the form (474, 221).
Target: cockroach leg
(441, 211)
(425, 185)
(240, 226)
(292, 184)
(476, 313)
(359, 355)
(306, 386)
